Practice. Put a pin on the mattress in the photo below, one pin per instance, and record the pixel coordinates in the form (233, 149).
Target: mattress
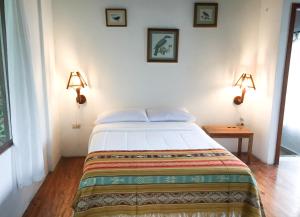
(163, 169)
(150, 136)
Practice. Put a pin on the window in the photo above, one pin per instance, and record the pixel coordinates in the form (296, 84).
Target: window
(5, 133)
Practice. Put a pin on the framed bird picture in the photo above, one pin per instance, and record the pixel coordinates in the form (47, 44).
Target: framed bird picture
(162, 45)
(205, 14)
(116, 17)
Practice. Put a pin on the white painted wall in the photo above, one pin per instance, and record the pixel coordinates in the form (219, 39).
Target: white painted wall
(6, 168)
(114, 60)
(274, 24)
(263, 107)
(283, 37)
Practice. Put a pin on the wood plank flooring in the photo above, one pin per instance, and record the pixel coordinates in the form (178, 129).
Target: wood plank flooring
(279, 186)
(55, 196)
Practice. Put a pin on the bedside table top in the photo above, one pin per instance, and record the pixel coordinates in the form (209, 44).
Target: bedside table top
(230, 131)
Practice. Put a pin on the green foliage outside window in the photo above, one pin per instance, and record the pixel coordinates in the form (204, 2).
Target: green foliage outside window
(5, 136)
(4, 128)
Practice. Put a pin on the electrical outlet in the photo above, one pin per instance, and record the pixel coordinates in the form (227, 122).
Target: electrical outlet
(76, 126)
(242, 121)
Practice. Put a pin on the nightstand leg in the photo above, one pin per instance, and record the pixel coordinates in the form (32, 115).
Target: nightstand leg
(250, 149)
(240, 146)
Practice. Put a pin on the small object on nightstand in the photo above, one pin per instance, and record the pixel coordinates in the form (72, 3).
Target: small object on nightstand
(241, 122)
(240, 132)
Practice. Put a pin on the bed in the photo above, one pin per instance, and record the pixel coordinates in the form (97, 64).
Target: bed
(163, 169)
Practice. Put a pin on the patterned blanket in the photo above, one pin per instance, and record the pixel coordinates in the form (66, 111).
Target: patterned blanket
(171, 183)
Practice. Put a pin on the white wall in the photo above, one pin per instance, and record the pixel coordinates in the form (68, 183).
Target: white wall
(251, 37)
(274, 27)
(263, 111)
(114, 60)
(283, 36)
(5, 168)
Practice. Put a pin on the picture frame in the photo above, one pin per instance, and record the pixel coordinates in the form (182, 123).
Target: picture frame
(206, 15)
(116, 17)
(162, 45)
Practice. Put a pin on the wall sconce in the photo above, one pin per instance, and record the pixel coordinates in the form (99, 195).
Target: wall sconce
(77, 82)
(245, 81)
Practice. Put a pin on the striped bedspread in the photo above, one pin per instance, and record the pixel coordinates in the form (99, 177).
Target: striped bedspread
(171, 183)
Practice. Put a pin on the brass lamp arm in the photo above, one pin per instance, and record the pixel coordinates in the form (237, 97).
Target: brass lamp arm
(80, 98)
(240, 99)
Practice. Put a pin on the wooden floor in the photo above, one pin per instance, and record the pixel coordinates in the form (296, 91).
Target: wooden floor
(55, 196)
(279, 186)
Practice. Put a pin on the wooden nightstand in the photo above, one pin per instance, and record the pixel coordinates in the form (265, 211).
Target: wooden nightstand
(240, 132)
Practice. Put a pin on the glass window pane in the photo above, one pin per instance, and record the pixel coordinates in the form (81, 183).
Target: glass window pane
(4, 108)
(4, 127)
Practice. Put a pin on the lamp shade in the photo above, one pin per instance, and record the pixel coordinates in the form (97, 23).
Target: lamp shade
(76, 81)
(245, 81)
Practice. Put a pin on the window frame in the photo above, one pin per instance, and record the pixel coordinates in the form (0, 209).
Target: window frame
(6, 146)
(9, 143)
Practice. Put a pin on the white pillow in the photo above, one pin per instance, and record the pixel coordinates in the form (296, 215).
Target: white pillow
(122, 115)
(169, 114)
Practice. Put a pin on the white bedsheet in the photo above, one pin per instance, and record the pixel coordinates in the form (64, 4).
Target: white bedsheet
(149, 136)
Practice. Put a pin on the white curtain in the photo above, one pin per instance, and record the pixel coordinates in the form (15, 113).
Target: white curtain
(27, 90)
